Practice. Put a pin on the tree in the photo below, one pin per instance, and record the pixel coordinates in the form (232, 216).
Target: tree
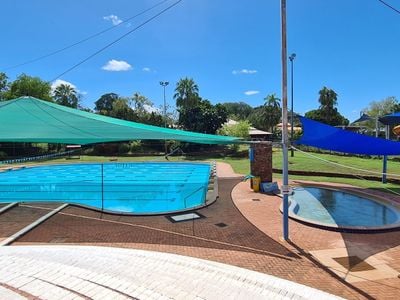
(382, 107)
(241, 129)
(105, 103)
(267, 116)
(238, 110)
(378, 109)
(121, 110)
(328, 103)
(66, 95)
(140, 103)
(186, 93)
(203, 117)
(3, 84)
(26, 85)
(272, 111)
(327, 112)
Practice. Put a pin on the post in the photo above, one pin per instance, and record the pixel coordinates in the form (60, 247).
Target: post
(384, 167)
(291, 57)
(164, 84)
(285, 185)
(102, 187)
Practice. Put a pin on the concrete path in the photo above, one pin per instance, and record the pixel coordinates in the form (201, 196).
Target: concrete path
(90, 272)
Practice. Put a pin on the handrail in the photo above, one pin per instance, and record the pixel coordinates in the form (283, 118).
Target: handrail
(191, 194)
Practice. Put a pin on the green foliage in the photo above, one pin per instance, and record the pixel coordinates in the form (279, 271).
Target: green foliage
(123, 148)
(140, 103)
(203, 117)
(3, 84)
(241, 129)
(121, 110)
(383, 107)
(327, 112)
(26, 85)
(105, 103)
(196, 114)
(66, 95)
(238, 110)
(267, 116)
(186, 93)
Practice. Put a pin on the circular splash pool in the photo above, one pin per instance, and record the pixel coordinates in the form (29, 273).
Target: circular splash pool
(339, 209)
(128, 188)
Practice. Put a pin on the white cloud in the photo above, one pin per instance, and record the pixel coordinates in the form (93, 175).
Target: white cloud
(244, 71)
(117, 65)
(250, 93)
(146, 69)
(114, 19)
(58, 82)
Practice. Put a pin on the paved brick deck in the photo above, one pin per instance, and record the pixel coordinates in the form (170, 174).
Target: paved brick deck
(240, 243)
(89, 272)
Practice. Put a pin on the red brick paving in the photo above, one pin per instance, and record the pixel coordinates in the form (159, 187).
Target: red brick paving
(304, 238)
(240, 243)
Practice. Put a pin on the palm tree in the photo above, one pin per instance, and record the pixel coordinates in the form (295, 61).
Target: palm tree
(271, 111)
(66, 95)
(328, 103)
(186, 93)
(272, 101)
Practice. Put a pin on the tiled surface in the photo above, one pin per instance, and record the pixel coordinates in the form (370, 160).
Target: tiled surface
(79, 272)
(240, 243)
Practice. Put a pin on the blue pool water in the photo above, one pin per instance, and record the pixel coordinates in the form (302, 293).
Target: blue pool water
(141, 188)
(333, 207)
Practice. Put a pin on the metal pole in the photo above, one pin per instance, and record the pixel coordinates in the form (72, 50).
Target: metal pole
(291, 57)
(384, 168)
(102, 187)
(285, 186)
(164, 84)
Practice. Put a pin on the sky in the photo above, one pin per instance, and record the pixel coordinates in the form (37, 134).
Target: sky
(232, 49)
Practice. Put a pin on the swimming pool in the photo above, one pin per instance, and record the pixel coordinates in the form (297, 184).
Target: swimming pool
(340, 209)
(134, 188)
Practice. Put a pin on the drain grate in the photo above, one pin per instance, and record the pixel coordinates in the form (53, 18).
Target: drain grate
(354, 263)
(222, 225)
(185, 217)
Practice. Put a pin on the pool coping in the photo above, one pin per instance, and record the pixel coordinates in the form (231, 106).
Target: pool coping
(334, 227)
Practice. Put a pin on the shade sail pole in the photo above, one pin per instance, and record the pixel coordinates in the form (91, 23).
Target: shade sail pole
(285, 140)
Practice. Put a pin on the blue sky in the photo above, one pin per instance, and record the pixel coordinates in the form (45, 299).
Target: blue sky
(230, 48)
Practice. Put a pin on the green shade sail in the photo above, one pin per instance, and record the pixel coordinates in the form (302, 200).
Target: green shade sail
(28, 119)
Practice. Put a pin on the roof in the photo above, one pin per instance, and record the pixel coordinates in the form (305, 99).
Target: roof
(29, 119)
(391, 119)
(255, 131)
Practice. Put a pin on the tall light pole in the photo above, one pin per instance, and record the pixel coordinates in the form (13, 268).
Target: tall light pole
(285, 142)
(164, 85)
(291, 58)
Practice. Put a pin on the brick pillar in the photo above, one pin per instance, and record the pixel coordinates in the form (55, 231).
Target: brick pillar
(262, 161)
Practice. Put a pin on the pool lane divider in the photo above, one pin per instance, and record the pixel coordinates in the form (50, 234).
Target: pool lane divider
(7, 207)
(31, 226)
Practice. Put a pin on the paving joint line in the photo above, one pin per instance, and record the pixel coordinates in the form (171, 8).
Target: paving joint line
(19, 291)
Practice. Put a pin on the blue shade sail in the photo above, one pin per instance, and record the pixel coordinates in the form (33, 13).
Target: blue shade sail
(319, 135)
(392, 119)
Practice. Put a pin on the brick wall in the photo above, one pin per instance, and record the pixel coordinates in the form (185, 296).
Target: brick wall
(262, 163)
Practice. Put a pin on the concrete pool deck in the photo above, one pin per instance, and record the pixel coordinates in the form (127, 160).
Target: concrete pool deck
(242, 228)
